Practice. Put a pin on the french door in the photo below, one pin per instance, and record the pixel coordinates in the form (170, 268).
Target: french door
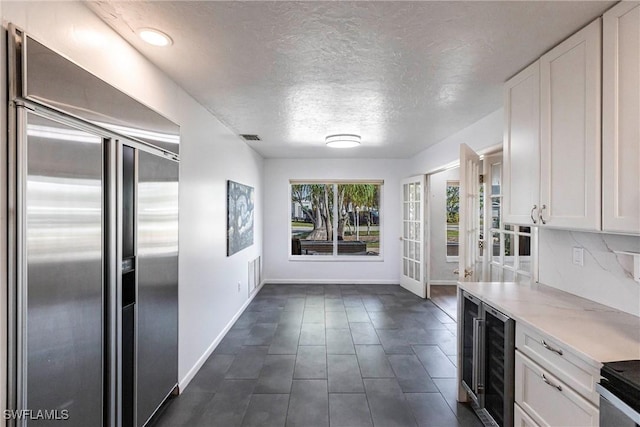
(470, 263)
(412, 276)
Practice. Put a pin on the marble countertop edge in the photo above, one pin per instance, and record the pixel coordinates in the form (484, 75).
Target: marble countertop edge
(595, 332)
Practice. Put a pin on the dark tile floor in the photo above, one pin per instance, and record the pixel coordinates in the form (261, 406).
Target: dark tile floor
(445, 297)
(328, 355)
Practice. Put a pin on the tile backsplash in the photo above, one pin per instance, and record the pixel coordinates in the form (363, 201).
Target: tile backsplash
(605, 277)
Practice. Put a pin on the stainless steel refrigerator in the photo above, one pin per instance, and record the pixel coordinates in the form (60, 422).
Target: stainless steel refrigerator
(93, 241)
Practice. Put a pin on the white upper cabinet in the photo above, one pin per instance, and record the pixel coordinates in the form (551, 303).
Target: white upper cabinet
(570, 132)
(521, 153)
(552, 137)
(621, 119)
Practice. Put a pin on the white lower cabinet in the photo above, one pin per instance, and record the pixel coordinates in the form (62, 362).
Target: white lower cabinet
(521, 419)
(548, 401)
(556, 358)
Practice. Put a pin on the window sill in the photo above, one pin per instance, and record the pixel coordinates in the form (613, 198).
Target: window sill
(332, 258)
(453, 258)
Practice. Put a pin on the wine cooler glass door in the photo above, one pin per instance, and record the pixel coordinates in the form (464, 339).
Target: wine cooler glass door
(498, 366)
(470, 344)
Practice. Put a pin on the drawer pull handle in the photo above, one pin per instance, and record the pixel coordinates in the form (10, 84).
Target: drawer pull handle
(558, 387)
(548, 347)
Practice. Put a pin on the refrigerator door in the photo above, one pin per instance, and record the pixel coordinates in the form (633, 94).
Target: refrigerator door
(157, 269)
(61, 288)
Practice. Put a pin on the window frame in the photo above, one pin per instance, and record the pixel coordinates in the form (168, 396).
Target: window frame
(335, 257)
(515, 232)
(451, 258)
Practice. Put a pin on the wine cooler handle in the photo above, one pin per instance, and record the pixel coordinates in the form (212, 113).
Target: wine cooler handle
(475, 355)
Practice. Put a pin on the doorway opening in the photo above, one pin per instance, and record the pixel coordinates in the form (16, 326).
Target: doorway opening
(490, 239)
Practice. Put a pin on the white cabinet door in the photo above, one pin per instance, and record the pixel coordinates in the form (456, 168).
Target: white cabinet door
(547, 400)
(559, 359)
(521, 153)
(620, 119)
(570, 139)
(521, 419)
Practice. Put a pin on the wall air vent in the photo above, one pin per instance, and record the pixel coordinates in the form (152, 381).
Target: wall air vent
(249, 137)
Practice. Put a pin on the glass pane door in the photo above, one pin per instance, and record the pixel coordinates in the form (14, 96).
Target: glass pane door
(412, 274)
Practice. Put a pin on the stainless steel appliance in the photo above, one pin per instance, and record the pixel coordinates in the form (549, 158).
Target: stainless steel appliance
(93, 234)
(619, 391)
(488, 346)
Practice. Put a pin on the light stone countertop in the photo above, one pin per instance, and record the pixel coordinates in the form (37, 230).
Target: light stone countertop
(597, 332)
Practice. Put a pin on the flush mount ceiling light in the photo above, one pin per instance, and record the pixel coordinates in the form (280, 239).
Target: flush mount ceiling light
(154, 37)
(343, 140)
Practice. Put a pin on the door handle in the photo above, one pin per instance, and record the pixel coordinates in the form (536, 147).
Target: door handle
(542, 220)
(533, 219)
(467, 272)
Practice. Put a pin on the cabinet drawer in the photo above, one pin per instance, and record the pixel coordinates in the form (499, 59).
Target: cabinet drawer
(562, 363)
(549, 401)
(521, 419)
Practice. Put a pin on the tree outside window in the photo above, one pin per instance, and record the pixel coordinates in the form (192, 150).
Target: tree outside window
(453, 217)
(335, 219)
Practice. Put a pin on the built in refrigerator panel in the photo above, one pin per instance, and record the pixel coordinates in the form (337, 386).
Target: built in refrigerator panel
(157, 268)
(53, 80)
(63, 287)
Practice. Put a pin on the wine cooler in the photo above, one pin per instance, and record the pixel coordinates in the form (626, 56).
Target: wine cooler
(488, 360)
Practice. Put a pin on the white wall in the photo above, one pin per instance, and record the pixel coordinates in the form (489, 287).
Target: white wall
(481, 135)
(210, 154)
(277, 206)
(605, 277)
(441, 271)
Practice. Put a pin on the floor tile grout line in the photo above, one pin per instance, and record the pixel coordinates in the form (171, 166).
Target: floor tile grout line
(358, 294)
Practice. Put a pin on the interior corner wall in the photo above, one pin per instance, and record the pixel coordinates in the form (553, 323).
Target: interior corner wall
(277, 216)
(210, 154)
(440, 271)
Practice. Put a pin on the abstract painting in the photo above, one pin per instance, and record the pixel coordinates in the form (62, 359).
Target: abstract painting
(239, 217)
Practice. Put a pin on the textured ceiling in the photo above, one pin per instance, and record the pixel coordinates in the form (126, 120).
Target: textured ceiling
(404, 75)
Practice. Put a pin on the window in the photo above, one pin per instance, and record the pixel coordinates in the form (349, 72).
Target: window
(335, 219)
(453, 219)
(510, 254)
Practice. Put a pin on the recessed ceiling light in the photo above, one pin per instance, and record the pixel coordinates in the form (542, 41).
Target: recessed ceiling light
(154, 37)
(343, 140)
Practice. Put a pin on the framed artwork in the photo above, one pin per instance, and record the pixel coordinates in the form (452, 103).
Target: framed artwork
(239, 217)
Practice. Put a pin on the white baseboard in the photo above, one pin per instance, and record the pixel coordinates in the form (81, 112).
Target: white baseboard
(332, 281)
(184, 382)
(443, 282)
